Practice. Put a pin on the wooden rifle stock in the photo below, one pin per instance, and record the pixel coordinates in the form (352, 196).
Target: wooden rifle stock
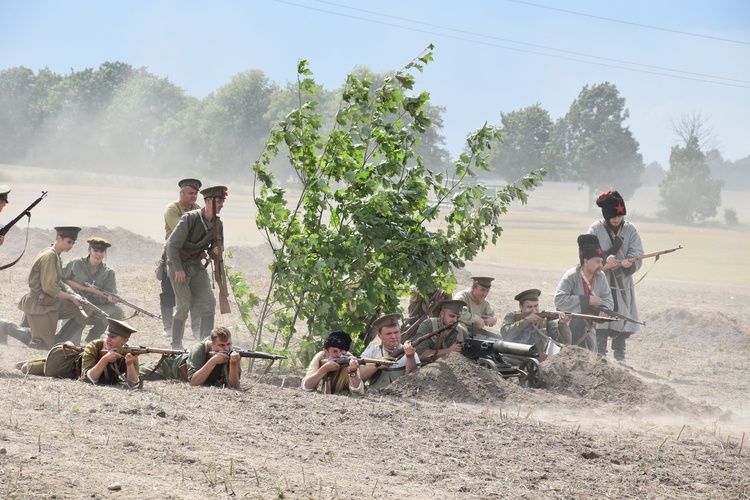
(607, 267)
(220, 275)
(247, 353)
(450, 326)
(344, 361)
(135, 350)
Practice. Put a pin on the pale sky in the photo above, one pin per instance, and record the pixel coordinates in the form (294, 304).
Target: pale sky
(667, 58)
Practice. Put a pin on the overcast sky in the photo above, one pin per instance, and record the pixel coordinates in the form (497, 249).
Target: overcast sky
(666, 57)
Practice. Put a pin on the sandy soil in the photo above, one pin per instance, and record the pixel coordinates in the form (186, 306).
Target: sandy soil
(671, 423)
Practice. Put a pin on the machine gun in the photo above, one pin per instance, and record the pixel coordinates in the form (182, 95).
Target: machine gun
(509, 359)
(92, 288)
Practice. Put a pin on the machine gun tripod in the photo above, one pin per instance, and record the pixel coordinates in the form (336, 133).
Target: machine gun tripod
(509, 359)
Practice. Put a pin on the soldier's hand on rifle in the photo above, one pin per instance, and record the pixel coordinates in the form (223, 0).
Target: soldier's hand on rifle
(489, 320)
(353, 365)
(533, 318)
(331, 365)
(409, 350)
(179, 277)
(234, 358)
(563, 318)
(129, 358)
(626, 263)
(112, 299)
(222, 357)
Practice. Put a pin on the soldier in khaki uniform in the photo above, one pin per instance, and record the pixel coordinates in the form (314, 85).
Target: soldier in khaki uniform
(329, 377)
(91, 269)
(187, 247)
(189, 189)
(65, 360)
(389, 333)
(48, 299)
(446, 342)
(478, 313)
(533, 329)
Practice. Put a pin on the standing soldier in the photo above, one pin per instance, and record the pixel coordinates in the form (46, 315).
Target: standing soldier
(91, 269)
(172, 213)
(187, 248)
(620, 241)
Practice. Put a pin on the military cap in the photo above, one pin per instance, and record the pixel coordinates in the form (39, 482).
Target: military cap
(530, 294)
(68, 231)
(193, 183)
(457, 306)
(98, 243)
(339, 339)
(387, 320)
(215, 192)
(483, 281)
(588, 247)
(119, 328)
(612, 204)
(4, 190)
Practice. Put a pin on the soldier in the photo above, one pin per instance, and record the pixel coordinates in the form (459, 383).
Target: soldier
(172, 212)
(389, 334)
(49, 299)
(620, 241)
(111, 367)
(4, 190)
(478, 314)
(186, 249)
(209, 362)
(91, 269)
(446, 342)
(329, 377)
(582, 286)
(533, 329)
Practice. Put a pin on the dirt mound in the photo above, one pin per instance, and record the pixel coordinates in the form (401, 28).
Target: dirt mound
(705, 332)
(453, 379)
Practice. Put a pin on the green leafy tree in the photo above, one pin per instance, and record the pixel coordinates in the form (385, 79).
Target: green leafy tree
(234, 122)
(367, 222)
(591, 144)
(687, 193)
(526, 134)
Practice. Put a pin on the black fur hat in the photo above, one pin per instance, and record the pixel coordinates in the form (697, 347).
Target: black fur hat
(588, 247)
(612, 204)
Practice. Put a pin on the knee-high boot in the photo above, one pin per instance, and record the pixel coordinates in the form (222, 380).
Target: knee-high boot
(207, 325)
(178, 329)
(166, 320)
(8, 328)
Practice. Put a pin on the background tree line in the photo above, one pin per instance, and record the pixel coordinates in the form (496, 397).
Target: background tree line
(121, 118)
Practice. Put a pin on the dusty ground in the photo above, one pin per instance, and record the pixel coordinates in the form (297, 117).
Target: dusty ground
(671, 424)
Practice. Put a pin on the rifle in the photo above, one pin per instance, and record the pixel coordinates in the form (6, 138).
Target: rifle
(430, 309)
(135, 350)
(450, 326)
(26, 211)
(344, 361)
(97, 311)
(220, 275)
(92, 288)
(248, 353)
(6, 228)
(616, 315)
(607, 267)
(556, 315)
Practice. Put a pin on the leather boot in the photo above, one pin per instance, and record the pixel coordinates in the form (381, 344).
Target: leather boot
(8, 328)
(195, 323)
(70, 332)
(207, 325)
(166, 320)
(601, 344)
(178, 329)
(618, 346)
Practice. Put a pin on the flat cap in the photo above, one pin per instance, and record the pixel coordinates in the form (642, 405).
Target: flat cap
(68, 231)
(98, 243)
(530, 294)
(483, 281)
(193, 183)
(386, 320)
(215, 192)
(119, 328)
(4, 190)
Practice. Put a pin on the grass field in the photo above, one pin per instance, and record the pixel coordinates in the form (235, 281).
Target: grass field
(541, 234)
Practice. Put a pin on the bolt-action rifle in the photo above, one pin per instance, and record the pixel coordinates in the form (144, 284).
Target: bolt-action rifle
(217, 255)
(615, 315)
(344, 361)
(87, 303)
(4, 230)
(92, 288)
(135, 350)
(556, 315)
(248, 353)
(617, 264)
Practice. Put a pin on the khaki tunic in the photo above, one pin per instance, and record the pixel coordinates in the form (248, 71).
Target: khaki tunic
(46, 276)
(333, 382)
(475, 308)
(198, 357)
(92, 353)
(459, 334)
(523, 332)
